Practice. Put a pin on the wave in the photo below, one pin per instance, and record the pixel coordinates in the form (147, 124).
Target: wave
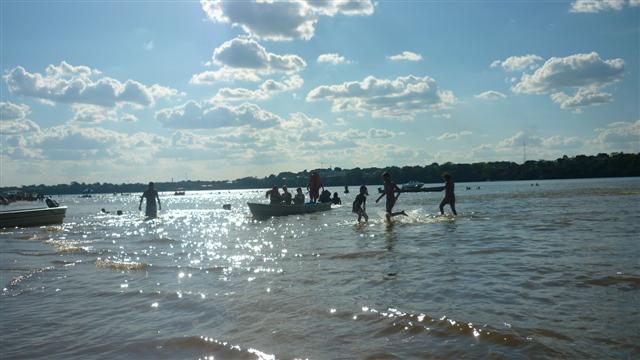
(632, 281)
(21, 278)
(359, 255)
(164, 241)
(68, 247)
(121, 265)
(194, 346)
(398, 322)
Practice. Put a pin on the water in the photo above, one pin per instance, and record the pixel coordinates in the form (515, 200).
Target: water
(549, 271)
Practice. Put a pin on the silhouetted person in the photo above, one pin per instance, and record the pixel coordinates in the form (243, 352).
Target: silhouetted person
(390, 190)
(286, 196)
(449, 196)
(151, 211)
(325, 197)
(274, 196)
(360, 204)
(299, 198)
(335, 200)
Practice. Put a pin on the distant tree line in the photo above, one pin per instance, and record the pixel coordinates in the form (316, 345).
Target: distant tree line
(580, 166)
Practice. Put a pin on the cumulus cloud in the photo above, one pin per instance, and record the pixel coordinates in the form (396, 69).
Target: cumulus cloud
(281, 20)
(620, 135)
(583, 73)
(10, 111)
(405, 56)
(454, 136)
(518, 63)
(595, 6)
(193, 115)
(244, 59)
(579, 70)
(583, 97)
(403, 97)
(333, 59)
(266, 90)
(490, 95)
(13, 119)
(77, 85)
(380, 134)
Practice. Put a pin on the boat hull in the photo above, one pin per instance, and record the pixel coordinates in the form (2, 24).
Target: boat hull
(32, 217)
(263, 211)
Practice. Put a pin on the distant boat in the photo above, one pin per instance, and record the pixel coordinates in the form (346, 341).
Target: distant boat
(179, 191)
(412, 186)
(32, 217)
(263, 211)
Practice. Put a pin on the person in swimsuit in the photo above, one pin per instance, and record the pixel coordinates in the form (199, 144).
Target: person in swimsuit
(360, 204)
(449, 196)
(314, 186)
(390, 190)
(151, 195)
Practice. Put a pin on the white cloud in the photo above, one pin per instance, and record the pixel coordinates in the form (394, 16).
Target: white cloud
(490, 95)
(454, 136)
(281, 20)
(193, 115)
(266, 90)
(333, 59)
(380, 134)
(225, 74)
(634, 2)
(148, 45)
(244, 59)
(583, 97)
(620, 136)
(74, 84)
(10, 111)
(595, 6)
(128, 118)
(13, 119)
(406, 56)
(518, 63)
(579, 70)
(402, 98)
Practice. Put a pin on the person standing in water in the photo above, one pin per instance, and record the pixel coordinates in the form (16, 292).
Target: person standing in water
(449, 196)
(360, 204)
(286, 196)
(151, 211)
(390, 190)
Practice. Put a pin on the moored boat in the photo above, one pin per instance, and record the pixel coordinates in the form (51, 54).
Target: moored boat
(268, 210)
(32, 217)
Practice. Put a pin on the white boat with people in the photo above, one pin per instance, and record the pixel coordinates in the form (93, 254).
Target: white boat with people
(262, 211)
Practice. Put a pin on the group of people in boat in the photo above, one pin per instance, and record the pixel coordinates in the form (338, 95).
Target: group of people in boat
(313, 187)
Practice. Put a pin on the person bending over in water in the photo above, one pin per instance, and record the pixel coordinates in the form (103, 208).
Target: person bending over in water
(449, 196)
(299, 198)
(360, 204)
(274, 196)
(390, 190)
(151, 195)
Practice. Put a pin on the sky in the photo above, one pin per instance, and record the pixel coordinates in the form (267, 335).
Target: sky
(139, 91)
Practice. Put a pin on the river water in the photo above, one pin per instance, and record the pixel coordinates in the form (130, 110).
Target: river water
(524, 271)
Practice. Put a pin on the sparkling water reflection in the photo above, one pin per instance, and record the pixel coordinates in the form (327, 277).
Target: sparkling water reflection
(549, 272)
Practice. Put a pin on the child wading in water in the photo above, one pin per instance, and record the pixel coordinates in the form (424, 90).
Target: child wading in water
(390, 190)
(360, 204)
(449, 196)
